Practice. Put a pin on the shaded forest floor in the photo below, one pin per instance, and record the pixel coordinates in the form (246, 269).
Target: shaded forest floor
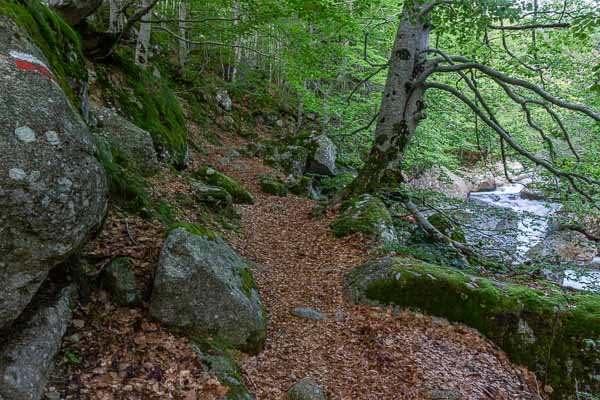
(357, 352)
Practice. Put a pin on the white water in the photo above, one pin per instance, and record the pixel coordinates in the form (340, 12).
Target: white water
(533, 228)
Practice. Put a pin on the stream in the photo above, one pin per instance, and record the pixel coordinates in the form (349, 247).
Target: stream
(532, 227)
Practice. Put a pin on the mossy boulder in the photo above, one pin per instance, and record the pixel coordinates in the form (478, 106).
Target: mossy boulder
(213, 177)
(302, 186)
(118, 278)
(212, 196)
(219, 361)
(365, 214)
(203, 288)
(548, 331)
(130, 145)
(273, 185)
(147, 101)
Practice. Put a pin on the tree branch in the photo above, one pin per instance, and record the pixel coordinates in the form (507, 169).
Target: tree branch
(532, 26)
(522, 83)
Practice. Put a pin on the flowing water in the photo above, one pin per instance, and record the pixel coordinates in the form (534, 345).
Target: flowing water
(532, 227)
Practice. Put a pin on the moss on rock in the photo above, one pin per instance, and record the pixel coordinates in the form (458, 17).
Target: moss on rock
(365, 214)
(56, 39)
(149, 103)
(211, 176)
(273, 185)
(193, 229)
(545, 330)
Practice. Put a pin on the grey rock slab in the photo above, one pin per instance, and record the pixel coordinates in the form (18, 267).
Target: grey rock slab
(28, 350)
(52, 197)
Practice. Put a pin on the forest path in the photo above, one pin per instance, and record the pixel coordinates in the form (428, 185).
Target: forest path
(357, 352)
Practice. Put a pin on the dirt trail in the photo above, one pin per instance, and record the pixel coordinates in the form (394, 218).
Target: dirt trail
(358, 352)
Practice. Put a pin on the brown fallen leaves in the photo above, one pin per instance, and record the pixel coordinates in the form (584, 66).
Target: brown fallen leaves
(357, 353)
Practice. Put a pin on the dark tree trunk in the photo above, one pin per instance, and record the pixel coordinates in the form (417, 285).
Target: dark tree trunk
(401, 107)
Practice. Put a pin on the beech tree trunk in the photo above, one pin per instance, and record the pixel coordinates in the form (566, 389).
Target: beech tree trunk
(183, 44)
(116, 20)
(142, 48)
(401, 107)
(237, 49)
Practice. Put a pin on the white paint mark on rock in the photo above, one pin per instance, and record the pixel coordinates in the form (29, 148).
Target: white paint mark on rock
(17, 174)
(65, 184)
(25, 134)
(52, 138)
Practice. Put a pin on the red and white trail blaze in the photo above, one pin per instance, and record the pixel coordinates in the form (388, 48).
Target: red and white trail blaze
(29, 62)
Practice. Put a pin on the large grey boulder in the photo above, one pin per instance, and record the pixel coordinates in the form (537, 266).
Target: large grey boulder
(53, 192)
(27, 352)
(74, 11)
(204, 288)
(565, 247)
(323, 157)
(125, 139)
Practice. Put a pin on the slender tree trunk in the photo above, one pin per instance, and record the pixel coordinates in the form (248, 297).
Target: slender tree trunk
(401, 107)
(237, 49)
(183, 44)
(116, 20)
(142, 48)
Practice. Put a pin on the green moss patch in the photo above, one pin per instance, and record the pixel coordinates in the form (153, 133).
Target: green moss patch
(149, 103)
(56, 39)
(365, 214)
(211, 176)
(192, 228)
(545, 330)
(273, 185)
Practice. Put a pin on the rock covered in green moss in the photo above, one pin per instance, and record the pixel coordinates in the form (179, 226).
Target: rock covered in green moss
(204, 288)
(148, 102)
(212, 196)
(536, 328)
(365, 214)
(53, 192)
(219, 361)
(302, 186)
(306, 389)
(213, 177)
(130, 144)
(273, 185)
(118, 279)
(74, 11)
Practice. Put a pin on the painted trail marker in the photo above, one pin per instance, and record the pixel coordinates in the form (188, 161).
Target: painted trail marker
(29, 62)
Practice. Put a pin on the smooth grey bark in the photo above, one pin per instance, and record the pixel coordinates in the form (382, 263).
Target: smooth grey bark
(142, 48)
(402, 105)
(116, 20)
(183, 44)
